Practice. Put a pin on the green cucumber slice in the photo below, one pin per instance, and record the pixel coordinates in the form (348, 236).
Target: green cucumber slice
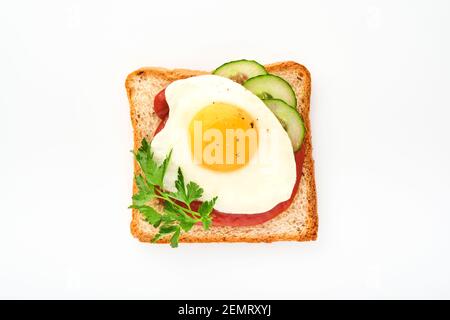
(270, 86)
(290, 119)
(240, 70)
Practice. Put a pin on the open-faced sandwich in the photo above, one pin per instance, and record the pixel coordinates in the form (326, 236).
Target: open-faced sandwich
(222, 156)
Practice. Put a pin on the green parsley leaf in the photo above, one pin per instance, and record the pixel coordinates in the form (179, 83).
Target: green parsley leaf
(144, 157)
(157, 237)
(181, 190)
(171, 213)
(177, 215)
(206, 221)
(194, 192)
(205, 210)
(186, 193)
(154, 174)
(150, 215)
(142, 185)
(141, 198)
(187, 225)
(167, 228)
(206, 207)
(175, 238)
(145, 194)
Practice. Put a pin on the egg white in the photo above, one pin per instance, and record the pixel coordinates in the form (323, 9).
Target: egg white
(266, 180)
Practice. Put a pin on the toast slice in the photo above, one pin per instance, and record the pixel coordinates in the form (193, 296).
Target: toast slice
(298, 223)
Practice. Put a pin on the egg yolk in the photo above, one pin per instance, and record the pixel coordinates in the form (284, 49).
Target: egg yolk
(223, 137)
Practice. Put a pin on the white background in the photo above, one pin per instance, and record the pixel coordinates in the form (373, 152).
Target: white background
(380, 115)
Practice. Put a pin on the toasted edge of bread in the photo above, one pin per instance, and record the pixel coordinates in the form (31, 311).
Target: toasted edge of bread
(298, 223)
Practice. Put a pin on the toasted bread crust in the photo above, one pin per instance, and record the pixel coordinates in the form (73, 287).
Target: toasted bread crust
(298, 223)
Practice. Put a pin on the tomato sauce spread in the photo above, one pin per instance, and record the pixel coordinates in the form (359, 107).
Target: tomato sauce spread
(161, 109)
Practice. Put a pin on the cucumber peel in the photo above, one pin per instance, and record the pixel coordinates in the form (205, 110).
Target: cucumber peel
(240, 70)
(290, 119)
(274, 91)
(270, 86)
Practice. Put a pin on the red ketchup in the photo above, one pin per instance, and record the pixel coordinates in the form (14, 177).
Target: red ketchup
(161, 109)
(160, 105)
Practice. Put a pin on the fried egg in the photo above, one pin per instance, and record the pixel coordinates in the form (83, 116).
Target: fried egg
(224, 138)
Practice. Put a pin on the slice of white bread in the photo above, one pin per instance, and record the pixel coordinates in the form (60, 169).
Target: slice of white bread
(298, 223)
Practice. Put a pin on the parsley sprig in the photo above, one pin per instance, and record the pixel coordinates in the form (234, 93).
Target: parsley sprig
(177, 215)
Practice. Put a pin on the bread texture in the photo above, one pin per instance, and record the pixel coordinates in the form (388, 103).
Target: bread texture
(298, 223)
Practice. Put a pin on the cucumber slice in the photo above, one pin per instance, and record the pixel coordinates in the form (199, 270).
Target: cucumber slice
(290, 119)
(240, 70)
(270, 86)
